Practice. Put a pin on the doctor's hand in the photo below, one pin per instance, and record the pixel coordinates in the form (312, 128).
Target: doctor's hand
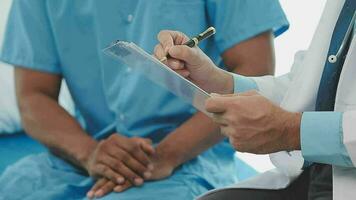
(254, 124)
(121, 159)
(163, 168)
(192, 63)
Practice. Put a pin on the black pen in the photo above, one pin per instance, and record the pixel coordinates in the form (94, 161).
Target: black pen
(196, 39)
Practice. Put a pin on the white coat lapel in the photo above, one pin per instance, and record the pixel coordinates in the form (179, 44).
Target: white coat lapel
(346, 95)
(344, 179)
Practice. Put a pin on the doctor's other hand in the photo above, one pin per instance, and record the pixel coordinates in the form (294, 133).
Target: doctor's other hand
(192, 63)
(163, 168)
(254, 124)
(119, 158)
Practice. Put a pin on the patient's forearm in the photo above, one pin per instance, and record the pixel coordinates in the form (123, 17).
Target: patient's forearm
(253, 57)
(49, 123)
(190, 139)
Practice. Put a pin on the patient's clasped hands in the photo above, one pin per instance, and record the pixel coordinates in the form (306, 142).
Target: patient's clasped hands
(119, 162)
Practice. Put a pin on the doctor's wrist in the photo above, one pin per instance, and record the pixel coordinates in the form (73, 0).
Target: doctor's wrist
(292, 131)
(222, 82)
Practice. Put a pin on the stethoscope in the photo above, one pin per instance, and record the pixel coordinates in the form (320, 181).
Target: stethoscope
(333, 58)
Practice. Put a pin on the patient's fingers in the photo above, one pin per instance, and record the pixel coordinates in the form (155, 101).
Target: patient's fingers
(146, 145)
(104, 186)
(110, 173)
(133, 146)
(123, 158)
(105, 189)
(120, 158)
(123, 187)
(119, 165)
(99, 183)
(131, 176)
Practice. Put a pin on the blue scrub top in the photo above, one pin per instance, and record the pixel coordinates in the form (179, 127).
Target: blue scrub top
(66, 37)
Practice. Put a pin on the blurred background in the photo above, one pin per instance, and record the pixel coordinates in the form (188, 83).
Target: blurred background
(303, 16)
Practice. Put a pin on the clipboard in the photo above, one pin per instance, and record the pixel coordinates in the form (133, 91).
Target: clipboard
(150, 67)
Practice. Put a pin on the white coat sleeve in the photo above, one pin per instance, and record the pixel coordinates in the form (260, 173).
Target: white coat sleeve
(349, 134)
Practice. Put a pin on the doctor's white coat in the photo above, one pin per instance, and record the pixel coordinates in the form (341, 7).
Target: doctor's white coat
(297, 92)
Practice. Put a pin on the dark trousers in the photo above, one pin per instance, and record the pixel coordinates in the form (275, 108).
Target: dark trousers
(315, 183)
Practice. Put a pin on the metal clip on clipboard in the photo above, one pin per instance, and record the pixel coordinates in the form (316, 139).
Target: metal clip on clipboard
(140, 61)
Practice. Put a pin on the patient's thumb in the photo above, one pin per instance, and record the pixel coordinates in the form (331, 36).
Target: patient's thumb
(147, 146)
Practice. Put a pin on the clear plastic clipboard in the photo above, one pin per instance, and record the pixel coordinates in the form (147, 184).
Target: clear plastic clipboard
(141, 62)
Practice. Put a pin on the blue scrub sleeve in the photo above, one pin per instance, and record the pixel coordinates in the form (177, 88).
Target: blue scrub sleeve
(243, 83)
(322, 139)
(29, 40)
(239, 20)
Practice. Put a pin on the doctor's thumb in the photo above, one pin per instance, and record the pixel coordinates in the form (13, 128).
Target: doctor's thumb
(248, 93)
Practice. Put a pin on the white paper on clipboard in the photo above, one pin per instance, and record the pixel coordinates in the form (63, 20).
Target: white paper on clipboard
(140, 61)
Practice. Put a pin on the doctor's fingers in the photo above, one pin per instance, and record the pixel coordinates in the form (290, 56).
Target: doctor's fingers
(220, 119)
(238, 144)
(249, 93)
(170, 38)
(230, 103)
(188, 55)
(223, 95)
(218, 104)
(228, 131)
(175, 64)
(160, 53)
